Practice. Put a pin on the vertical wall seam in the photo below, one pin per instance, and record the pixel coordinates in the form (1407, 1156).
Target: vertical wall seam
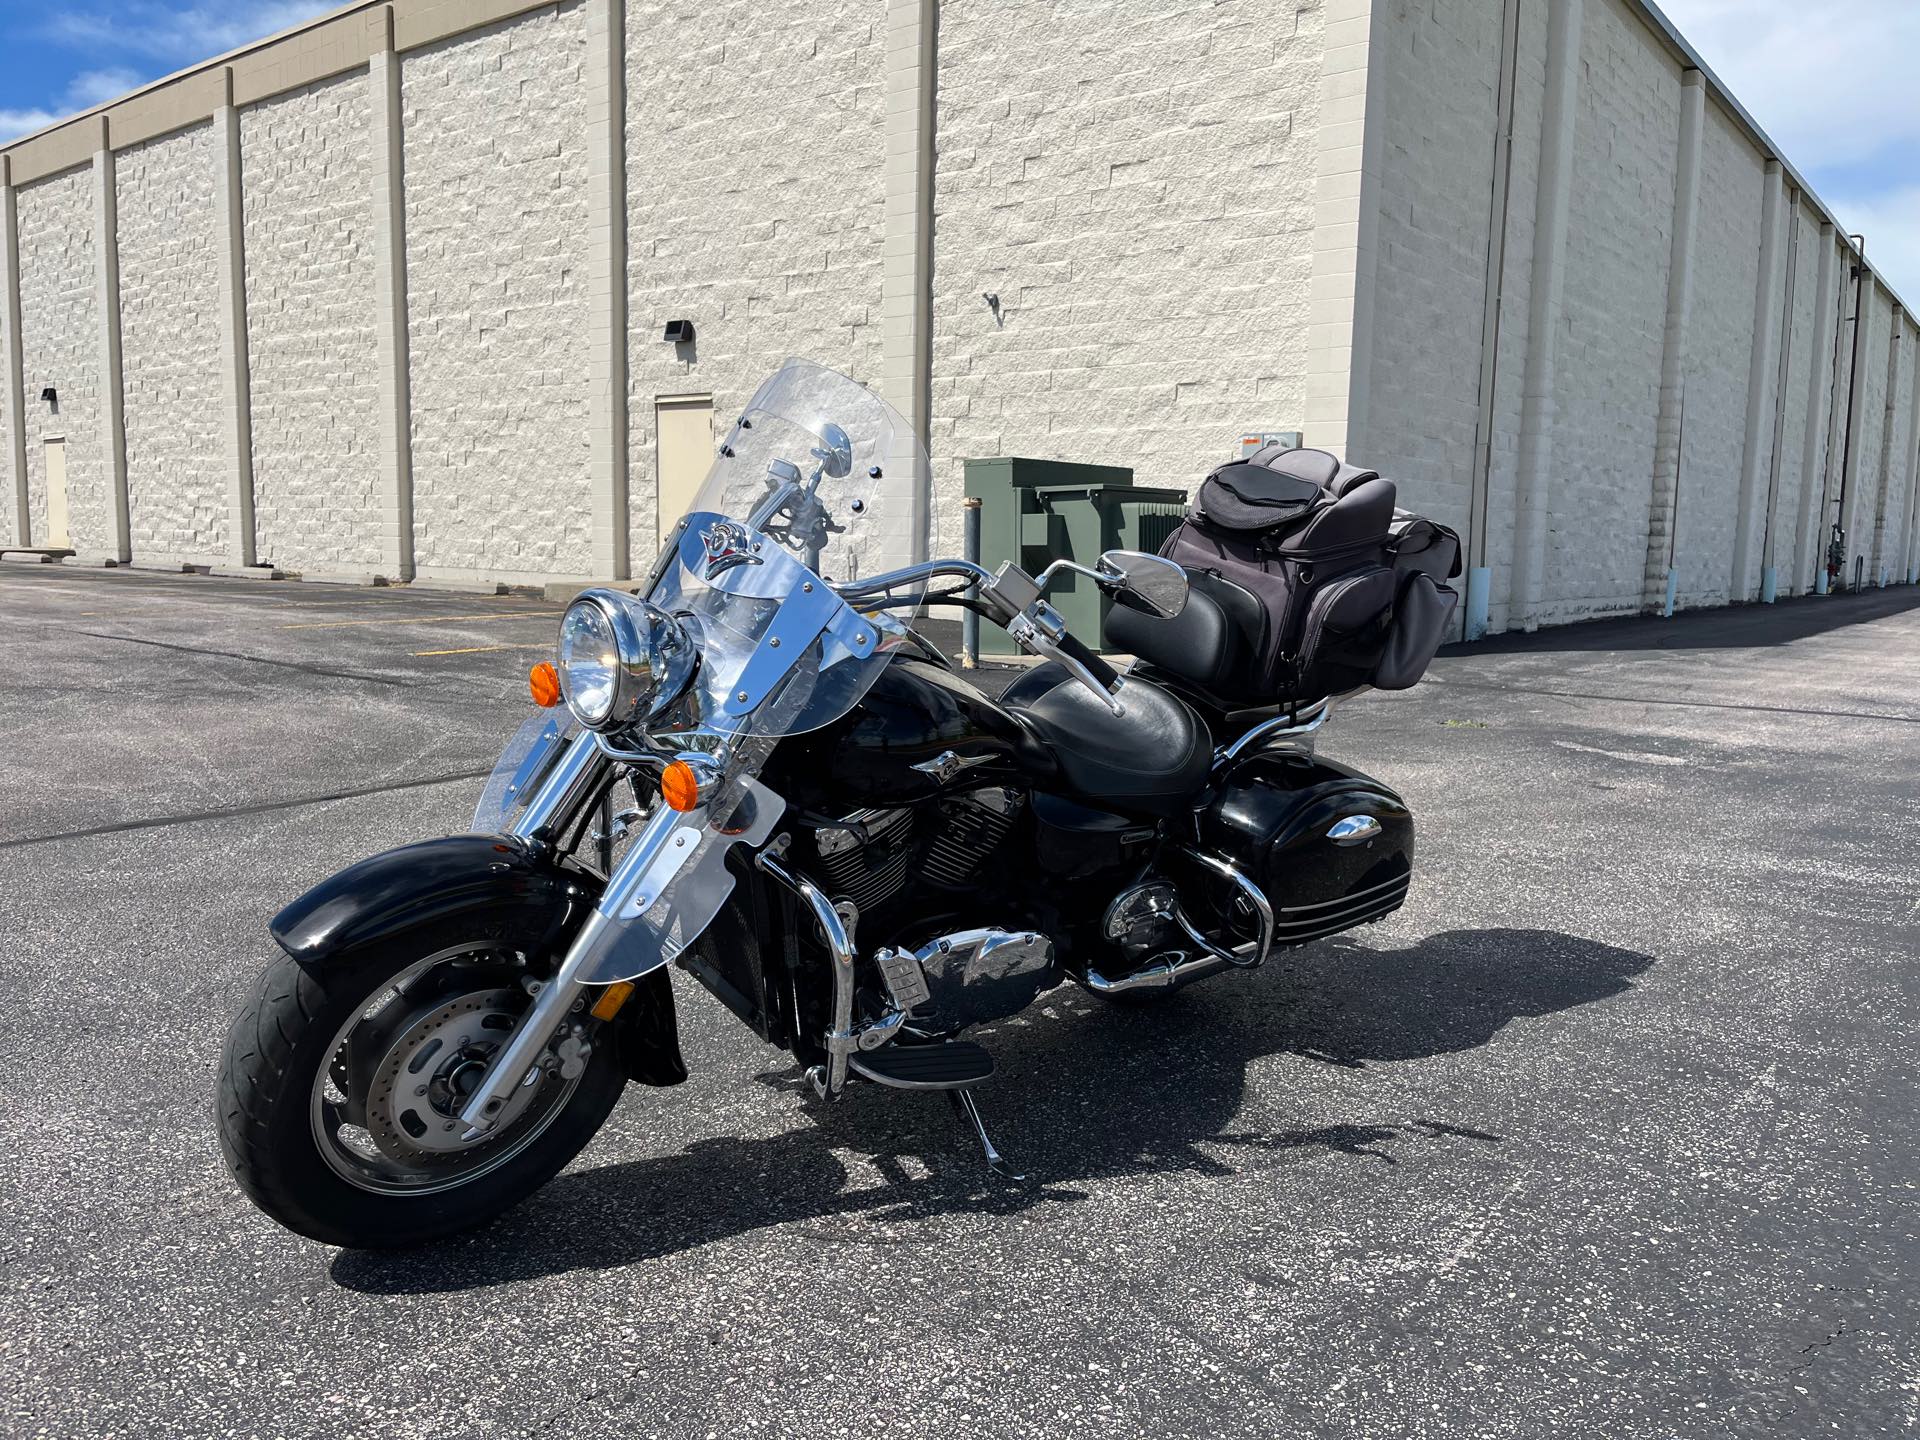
(236, 372)
(1760, 358)
(906, 278)
(1533, 491)
(1663, 510)
(16, 361)
(390, 283)
(607, 402)
(106, 258)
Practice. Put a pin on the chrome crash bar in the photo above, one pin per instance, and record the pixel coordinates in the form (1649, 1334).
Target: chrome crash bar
(830, 1081)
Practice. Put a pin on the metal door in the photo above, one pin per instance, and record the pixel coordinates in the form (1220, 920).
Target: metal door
(683, 452)
(56, 452)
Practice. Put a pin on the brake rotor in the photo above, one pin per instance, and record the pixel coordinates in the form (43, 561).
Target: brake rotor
(431, 1063)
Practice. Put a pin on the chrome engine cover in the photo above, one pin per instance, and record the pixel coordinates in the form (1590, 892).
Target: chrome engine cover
(977, 976)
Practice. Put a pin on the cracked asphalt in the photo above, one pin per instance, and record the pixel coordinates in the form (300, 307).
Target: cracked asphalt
(1611, 1131)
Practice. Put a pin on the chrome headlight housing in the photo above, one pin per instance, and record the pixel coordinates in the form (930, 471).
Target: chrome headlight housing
(622, 660)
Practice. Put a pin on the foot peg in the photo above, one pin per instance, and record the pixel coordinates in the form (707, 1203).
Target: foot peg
(952, 1065)
(963, 1105)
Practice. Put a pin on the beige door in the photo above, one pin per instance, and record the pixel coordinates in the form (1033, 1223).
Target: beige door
(683, 425)
(57, 495)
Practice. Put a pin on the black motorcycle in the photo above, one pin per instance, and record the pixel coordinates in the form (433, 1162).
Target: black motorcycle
(764, 775)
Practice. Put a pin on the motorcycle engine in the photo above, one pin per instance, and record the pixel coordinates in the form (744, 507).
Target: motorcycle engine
(868, 856)
(972, 976)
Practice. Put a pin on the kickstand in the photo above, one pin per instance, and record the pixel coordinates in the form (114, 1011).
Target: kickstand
(963, 1105)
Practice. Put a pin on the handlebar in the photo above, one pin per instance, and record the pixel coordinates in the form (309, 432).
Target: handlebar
(1013, 598)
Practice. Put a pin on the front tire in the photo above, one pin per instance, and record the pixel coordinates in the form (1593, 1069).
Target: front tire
(338, 1090)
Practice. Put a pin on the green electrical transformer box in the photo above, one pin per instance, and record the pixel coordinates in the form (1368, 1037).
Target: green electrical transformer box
(1034, 512)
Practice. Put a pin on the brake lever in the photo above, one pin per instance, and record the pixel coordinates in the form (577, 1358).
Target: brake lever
(1040, 630)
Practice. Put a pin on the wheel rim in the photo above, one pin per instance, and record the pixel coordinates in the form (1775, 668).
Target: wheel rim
(385, 1100)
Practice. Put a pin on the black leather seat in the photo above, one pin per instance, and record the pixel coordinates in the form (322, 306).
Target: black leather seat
(1148, 760)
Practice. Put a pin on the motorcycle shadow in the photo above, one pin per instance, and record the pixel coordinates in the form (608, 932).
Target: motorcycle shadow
(1085, 1092)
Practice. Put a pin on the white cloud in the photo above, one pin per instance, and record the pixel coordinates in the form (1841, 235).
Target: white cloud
(86, 90)
(15, 123)
(178, 34)
(94, 87)
(1832, 81)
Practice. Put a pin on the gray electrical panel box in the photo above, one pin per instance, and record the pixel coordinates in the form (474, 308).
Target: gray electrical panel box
(1252, 440)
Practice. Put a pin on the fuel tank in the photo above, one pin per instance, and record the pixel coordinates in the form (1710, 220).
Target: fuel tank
(915, 714)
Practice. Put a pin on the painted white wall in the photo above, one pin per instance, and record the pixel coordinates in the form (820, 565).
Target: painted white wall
(170, 347)
(755, 204)
(1137, 188)
(310, 329)
(60, 346)
(495, 123)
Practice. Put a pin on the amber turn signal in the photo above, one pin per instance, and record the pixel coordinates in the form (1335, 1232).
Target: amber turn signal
(679, 786)
(544, 681)
(611, 999)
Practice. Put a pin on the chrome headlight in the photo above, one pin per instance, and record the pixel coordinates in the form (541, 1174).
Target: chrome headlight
(621, 659)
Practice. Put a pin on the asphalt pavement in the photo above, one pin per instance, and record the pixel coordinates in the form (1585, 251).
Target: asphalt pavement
(1610, 1132)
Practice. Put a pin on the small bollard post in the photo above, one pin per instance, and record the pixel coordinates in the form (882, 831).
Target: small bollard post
(970, 551)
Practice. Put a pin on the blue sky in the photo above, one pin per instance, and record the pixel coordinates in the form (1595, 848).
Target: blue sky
(1833, 81)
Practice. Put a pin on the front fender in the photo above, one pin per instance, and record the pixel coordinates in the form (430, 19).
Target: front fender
(485, 887)
(466, 887)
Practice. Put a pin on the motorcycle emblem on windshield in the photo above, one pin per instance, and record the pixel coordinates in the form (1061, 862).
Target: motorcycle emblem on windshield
(728, 545)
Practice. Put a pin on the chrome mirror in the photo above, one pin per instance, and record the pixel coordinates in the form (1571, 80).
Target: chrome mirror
(1146, 582)
(834, 452)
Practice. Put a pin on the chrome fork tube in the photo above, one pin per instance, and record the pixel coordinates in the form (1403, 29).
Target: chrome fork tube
(575, 776)
(518, 1061)
(840, 944)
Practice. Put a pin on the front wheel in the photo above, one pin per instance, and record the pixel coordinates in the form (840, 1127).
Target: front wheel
(340, 1092)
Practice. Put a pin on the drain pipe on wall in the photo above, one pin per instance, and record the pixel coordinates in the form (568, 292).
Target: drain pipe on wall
(1479, 573)
(1862, 277)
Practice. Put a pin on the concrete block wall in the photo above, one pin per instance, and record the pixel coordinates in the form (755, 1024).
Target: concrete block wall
(1863, 463)
(495, 126)
(755, 204)
(1892, 478)
(310, 326)
(60, 347)
(170, 348)
(1607, 381)
(1439, 68)
(461, 229)
(1135, 186)
(1516, 294)
(1788, 480)
(1719, 343)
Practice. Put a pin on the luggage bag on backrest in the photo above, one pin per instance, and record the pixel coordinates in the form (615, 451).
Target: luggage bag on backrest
(1349, 589)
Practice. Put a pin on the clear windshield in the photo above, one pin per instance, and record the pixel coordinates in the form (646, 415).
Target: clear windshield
(819, 481)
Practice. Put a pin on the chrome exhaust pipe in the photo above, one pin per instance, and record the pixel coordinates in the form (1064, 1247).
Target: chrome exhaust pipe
(1170, 974)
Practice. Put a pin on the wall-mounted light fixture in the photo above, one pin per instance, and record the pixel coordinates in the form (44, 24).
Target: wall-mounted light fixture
(679, 332)
(51, 396)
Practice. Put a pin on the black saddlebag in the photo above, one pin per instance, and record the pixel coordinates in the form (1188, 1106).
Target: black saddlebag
(1314, 581)
(1331, 848)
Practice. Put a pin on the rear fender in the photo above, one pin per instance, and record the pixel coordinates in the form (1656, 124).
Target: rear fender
(493, 888)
